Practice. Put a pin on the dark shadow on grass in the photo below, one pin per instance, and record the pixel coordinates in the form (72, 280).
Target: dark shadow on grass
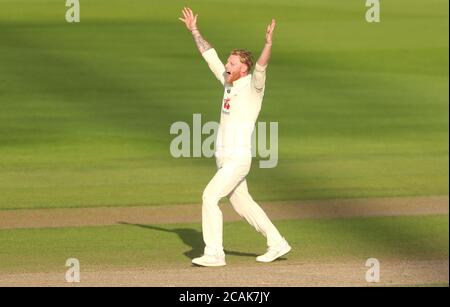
(190, 237)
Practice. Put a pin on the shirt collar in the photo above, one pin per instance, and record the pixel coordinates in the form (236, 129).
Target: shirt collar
(242, 80)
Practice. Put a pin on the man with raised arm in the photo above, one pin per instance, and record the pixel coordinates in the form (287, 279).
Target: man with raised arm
(243, 95)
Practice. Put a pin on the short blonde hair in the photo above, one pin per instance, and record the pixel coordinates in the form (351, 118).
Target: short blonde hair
(245, 56)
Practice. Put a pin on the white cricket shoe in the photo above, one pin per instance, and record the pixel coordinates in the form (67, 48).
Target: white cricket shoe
(210, 260)
(275, 252)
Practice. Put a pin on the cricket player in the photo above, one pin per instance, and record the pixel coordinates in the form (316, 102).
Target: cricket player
(243, 95)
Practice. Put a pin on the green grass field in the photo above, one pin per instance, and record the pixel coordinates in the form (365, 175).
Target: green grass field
(86, 108)
(146, 246)
(85, 113)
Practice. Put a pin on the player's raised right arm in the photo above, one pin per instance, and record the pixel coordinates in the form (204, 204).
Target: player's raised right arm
(191, 24)
(205, 48)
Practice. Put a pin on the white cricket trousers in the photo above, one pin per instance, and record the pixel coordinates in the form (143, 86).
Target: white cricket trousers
(230, 181)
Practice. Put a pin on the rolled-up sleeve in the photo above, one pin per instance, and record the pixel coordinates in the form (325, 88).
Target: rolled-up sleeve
(215, 64)
(259, 78)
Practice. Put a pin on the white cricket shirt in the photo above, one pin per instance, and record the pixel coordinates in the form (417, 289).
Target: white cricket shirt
(240, 108)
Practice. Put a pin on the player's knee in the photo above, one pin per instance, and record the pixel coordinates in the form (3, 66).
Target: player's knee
(238, 208)
(209, 199)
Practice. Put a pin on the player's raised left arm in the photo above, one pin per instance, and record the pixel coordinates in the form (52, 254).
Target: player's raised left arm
(267, 51)
(259, 74)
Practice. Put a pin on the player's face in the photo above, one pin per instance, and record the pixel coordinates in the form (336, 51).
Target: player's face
(235, 69)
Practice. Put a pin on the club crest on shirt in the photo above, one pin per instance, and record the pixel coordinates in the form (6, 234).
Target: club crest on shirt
(226, 106)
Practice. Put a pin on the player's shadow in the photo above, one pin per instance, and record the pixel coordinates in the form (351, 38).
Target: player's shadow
(190, 237)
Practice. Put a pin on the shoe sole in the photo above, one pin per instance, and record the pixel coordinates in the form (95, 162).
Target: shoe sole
(281, 254)
(209, 264)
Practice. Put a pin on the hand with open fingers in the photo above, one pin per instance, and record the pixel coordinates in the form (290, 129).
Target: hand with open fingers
(269, 32)
(190, 20)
